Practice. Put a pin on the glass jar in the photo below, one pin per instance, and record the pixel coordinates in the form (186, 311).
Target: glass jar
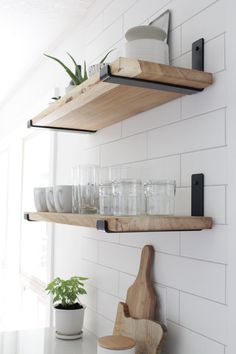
(127, 197)
(160, 197)
(106, 198)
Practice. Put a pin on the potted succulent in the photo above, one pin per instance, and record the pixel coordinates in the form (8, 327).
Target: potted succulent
(77, 77)
(69, 311)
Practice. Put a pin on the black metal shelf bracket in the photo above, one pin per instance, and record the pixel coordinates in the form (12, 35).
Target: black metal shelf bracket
(197, 64)
(26, 217)
(68, 130)
(102, 225)
(198, 55)
(107, 76)
(197, 195)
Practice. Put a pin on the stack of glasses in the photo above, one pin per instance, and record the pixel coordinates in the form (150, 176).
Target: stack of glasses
(111, 191)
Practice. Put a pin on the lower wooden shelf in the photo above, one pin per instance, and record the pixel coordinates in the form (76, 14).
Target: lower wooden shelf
(143, 223)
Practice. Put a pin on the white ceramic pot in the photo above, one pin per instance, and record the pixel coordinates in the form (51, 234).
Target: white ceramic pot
(69, 322)
(147, 43)
(148, 49)
(69, 88)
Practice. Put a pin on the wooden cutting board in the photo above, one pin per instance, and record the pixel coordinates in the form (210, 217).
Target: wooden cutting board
(148, 335)
(141, 296)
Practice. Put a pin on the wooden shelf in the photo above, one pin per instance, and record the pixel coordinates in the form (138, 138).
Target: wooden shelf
(98, 103)
(127, 223)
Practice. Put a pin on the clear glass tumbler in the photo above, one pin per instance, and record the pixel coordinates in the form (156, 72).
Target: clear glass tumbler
(88, 198)
(75, 189)
(105, 198)
(127, 197)
(160, 197)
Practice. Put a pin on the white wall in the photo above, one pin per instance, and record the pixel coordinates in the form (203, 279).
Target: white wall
(173, 141)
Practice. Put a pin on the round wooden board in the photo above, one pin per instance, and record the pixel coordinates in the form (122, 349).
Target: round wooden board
(116, 342)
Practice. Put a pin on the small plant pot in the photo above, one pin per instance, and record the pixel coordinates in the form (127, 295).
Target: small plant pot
(69, 321)
(69, 88)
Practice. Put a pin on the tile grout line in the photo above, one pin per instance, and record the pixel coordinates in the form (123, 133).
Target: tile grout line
(198, 333)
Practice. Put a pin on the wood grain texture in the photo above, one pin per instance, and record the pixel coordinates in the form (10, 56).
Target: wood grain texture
(141, 297)
(128, 223)
(148, 335)
(94, 104)
(161, 73)
(116, 342)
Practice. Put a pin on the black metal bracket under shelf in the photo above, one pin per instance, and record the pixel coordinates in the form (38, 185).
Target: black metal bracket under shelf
(69, 130)
(197, 64)
(197, 202)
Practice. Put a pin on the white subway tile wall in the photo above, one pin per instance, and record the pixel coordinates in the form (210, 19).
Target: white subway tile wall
(169, 142)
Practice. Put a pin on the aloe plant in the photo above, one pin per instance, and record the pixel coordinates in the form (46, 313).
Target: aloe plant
(77, 77)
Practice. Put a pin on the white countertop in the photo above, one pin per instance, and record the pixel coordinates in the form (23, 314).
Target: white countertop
(43, 341)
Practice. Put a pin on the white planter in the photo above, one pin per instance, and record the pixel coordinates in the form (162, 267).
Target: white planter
(69, 322)
(147, 43)
(69, 88)
(148, 49)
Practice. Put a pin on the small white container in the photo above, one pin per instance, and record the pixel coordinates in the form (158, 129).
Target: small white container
(116, 344)
(101, 350)
(147, 43)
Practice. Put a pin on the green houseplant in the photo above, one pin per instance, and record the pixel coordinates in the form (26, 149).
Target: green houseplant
(77, 77)
(69, 311)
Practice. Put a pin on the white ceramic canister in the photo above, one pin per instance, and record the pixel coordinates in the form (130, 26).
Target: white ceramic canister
(147, 43)
(115, 344)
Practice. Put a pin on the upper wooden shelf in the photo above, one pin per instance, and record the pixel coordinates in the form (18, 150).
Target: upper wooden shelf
(142, 223)
(140, 86)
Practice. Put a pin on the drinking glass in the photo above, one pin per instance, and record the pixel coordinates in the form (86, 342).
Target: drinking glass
(105, 198)
(127, 197)
(88, 198)
(160, 197)
(75, 189)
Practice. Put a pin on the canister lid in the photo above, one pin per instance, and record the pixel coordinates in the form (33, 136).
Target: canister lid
(145, 32)
(116, 342)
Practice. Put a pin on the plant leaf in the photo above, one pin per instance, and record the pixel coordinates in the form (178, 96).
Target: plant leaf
(104, 58)
(69, 72)
(77, 68)
(85, 72)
